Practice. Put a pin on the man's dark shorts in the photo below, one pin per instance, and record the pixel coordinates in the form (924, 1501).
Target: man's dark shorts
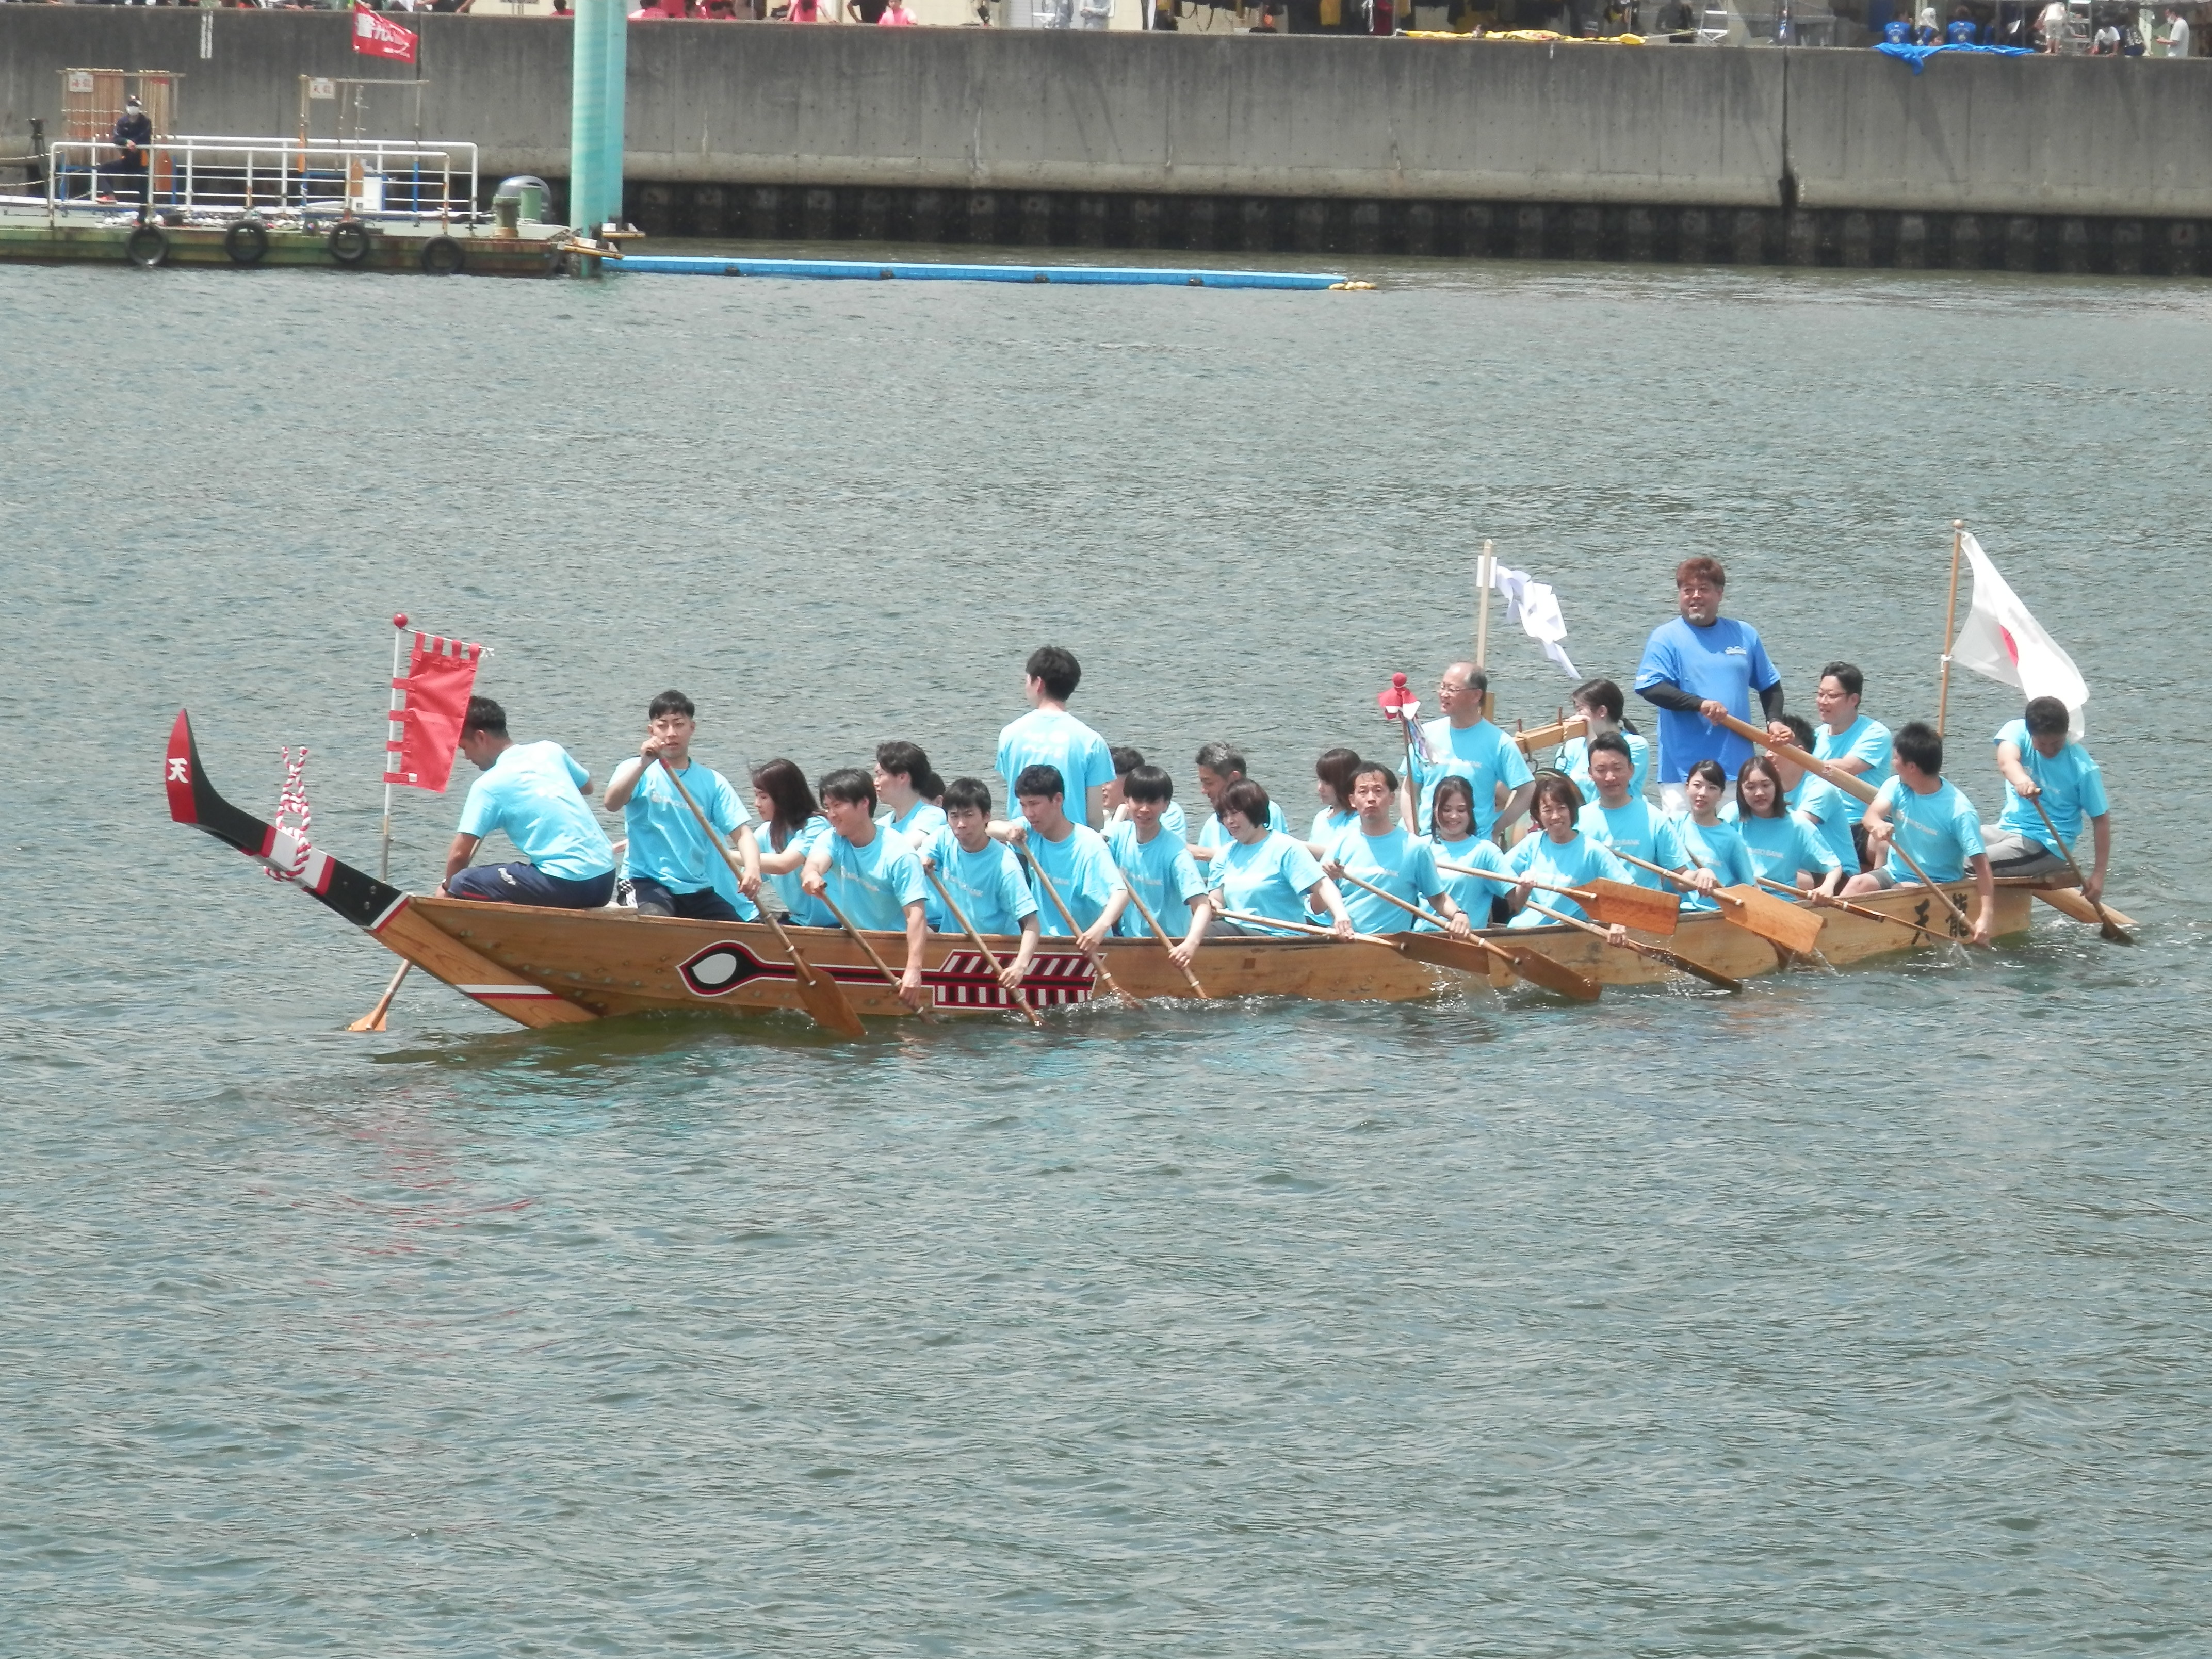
(705, 905)
(526, 884)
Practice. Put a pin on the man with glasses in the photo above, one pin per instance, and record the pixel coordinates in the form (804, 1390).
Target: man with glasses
(1700, 665)
(1466, 744)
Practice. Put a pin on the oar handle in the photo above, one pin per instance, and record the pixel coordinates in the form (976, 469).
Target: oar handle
(1097, 962)
(1577, 894)
(874, 956)
(1846, 781)
(1160, 933)
(1657, 870)
(1249, 919)
(1588, 927)
(968, 927)
(1863, 911)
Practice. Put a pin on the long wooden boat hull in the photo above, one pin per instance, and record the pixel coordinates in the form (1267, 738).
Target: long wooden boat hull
(541, 968)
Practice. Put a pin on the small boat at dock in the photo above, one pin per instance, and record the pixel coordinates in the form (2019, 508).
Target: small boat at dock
(546, 967)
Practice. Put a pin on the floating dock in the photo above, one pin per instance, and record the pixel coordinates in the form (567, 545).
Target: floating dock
(885, 270)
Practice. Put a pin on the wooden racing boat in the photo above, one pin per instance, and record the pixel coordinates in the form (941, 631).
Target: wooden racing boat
(541, 967)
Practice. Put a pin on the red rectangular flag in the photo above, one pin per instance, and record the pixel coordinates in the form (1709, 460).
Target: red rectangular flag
(427, 707)
(375, 37)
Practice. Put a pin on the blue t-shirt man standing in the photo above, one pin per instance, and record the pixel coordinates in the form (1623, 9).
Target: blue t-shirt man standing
(1700, 664)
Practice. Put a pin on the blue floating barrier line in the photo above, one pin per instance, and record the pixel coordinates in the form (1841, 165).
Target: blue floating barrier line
(877, 270)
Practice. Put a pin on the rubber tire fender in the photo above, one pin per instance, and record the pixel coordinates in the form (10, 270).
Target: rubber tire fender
(146, 246)
(247, 241)
(442, 256)
(348, 241)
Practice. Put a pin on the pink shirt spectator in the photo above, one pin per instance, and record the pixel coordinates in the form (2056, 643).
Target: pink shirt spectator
(896, 16)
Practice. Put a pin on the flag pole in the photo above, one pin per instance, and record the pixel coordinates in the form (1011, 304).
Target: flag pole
(1950, 620)
(391, 757)
(1482, 564)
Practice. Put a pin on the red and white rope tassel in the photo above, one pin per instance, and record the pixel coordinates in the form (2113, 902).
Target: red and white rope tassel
(293, 816)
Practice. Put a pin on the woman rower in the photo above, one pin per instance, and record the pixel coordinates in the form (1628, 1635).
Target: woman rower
(906, 784)
(784, 802)
(1451, 817)
(1783, 847)
(1262, 872)
(1562, 856)
(1714, 847)
(1599, 702)
(1333, 776)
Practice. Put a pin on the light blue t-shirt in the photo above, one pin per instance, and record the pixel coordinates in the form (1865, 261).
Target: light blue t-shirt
(1781, 847)
(1577, 864)
(1403, 866)
(1160, 872)
(1861, 740)
(1942, 831)
(2073, 789)
(1055, 738)
(1328, 824)
(533, 792)
(1724, 663)
(990, 887)
(1214, 836)
(873, 884)
(1573, 759)
(1268, 877)
(666, 844)
(919, 823)
(1472, 894)
(1641, 830)
(1481, 754)
(1081, 869)
(804, 909)
(1719, 849)
(1826, 810)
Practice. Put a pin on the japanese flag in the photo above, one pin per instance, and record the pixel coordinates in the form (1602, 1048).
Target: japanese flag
(2001, 641)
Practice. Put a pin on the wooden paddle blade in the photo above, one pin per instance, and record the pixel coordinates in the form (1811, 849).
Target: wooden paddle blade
(825, 999)
(1646, 909)
(2069, 902)
(1442, 951)
(1791, 927)
(1711, 977)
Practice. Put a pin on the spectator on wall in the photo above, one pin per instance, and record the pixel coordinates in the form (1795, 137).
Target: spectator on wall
(2177, 33)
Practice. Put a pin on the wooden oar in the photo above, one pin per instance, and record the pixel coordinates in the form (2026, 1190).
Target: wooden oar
(1021, 997)
(373, 1019)
(875, 956)
(1532, 965)
(1786, 926)
(1307, 928)
(1681, 964)
(1074, 933)
(1863, 911)
(823, 998)
(1161, 934)
(1644, 909)
(2105, 926)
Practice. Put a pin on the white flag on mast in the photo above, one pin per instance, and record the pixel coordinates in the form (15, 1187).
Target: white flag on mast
(1536, 608)
(2001, 641)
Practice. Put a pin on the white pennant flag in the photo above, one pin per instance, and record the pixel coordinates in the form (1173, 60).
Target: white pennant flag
(2001, 641)
(1536, 608)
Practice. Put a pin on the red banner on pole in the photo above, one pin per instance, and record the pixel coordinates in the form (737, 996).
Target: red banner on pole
(374, 37)
(441, 674)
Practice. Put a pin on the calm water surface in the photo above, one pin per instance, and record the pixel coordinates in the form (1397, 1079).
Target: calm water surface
(1862, 1315)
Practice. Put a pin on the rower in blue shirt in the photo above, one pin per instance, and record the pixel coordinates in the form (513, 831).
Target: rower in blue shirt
(870, 872)
(673, 869)
(1601, 707)
(1464, 743)
(1220, 766)
(1562, 856)
(908, 787)
(1627, 822)
(1930, 818)
(1155, 863)
(1696, 666)
(537, 794)
(2041, 765)
(1850, 741)
(983, 876)
(1717, 856)
(1072, 857)
(1125, 761)
(1389, 857)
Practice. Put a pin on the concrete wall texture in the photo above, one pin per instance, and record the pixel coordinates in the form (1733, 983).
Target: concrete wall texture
(917, 116)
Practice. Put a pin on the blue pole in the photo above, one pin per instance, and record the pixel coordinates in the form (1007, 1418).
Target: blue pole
(613, 104)
(601, 51)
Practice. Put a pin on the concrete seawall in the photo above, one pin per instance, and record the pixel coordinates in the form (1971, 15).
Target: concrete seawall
(1304, 143)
